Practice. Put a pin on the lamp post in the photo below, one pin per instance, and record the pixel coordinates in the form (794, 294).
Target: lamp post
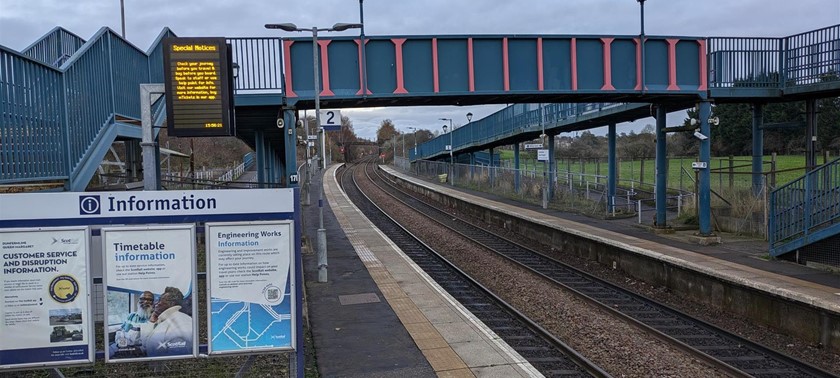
(451, 147)
(322, 233)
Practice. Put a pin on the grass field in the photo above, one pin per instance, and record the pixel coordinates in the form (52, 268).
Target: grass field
(680, 173)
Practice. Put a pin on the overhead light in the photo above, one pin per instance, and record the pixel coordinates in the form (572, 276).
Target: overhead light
(288, 26)
(699, 135)
(344, 26)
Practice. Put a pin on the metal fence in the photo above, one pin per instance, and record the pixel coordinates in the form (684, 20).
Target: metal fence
(803, 59)
(565, 190)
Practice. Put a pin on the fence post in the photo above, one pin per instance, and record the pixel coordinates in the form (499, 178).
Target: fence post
(679, 204)
(773, 170)
(766, 205)
(731, 171)
(639, 210)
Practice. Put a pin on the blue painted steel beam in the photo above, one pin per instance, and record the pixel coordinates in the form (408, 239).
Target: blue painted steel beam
(661, 168)
(757, 148)
(493, 68)
(516, 173)
(552, 167)
(704, 197)
(259, 146)
(291, 148)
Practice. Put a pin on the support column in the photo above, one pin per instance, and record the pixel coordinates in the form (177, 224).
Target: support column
(811, 126)
(290, 156)
(757, 148)
(516, 173)
(492, 169)
(704, 202)
(552, 167)
(259, 143)
(612, 169)
(661, 168)
(270, 154)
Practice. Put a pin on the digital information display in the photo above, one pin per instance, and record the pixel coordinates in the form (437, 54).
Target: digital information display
(198, 87)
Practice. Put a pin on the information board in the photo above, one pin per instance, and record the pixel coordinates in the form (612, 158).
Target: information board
(542, 155)
(251, 288)
(198, 87)
(159, 262)
(46, 316)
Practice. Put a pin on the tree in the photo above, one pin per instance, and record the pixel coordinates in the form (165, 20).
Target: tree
(386, 131)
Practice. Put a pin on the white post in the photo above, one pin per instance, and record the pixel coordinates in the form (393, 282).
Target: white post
(147, 142)
(639, 210)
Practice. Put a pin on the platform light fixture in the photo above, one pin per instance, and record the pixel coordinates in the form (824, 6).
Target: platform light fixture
(451, 149)
(322, 232)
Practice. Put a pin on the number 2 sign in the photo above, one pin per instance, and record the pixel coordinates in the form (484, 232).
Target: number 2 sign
(331, 120)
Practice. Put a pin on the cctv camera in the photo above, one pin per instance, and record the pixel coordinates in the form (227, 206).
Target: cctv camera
(700, 135)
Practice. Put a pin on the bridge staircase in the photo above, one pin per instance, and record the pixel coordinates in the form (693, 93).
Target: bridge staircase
(64, 101)
(805, 215)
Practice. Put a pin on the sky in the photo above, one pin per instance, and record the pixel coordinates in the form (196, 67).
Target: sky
(24, 21)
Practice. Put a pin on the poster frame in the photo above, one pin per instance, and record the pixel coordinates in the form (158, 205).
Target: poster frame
(89, 327)
(194, 283)
(293, 298)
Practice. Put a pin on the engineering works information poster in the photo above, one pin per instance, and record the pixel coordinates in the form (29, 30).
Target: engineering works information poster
(159, 260)
(46, 316)
(251, 286)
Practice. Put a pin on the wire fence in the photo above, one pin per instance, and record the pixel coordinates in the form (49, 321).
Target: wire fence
(738, 199)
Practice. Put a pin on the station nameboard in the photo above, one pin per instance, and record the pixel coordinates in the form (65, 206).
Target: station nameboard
(198, 87)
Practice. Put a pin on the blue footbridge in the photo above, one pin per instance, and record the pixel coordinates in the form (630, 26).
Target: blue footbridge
(65, 100)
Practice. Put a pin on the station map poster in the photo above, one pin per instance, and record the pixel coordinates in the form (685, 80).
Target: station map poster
(159, 260)
(198, 87)
(250, 278)
(46, 316)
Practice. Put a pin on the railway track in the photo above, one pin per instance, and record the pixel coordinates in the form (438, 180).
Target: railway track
(546, 353)
(728, 352)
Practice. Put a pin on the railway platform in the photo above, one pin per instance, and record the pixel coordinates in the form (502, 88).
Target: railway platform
(734, 275)
(379, 315)
(734, 253)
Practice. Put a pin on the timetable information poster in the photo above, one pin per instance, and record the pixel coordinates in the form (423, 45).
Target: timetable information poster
(155, 262)
(251, 282)
(46, 314)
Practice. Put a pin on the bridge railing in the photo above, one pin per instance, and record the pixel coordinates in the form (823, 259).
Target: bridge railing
(802, 59)
(101, 80)
(806, 205)
(512, 120)
(31, 120)
(812, 57)
(744, 62)
(55, 47)
(260, 63)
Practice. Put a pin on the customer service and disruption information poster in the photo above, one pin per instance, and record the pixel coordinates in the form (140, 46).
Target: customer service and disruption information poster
(46, 316)
(250, 277)
(157, 263)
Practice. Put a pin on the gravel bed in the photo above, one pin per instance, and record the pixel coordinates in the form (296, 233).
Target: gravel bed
(792, 346)
(619, 348)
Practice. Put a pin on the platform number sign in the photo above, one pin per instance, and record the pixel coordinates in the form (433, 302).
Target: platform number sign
(331, 120)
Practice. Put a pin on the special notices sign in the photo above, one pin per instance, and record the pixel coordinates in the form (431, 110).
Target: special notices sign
(251, 286)
(198, 87)
(149, 285)
(46, 314)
